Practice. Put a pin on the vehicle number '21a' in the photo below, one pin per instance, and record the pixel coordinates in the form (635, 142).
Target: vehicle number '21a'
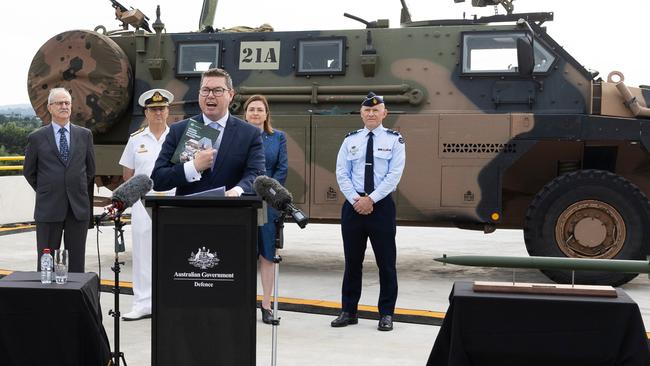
(259, 55)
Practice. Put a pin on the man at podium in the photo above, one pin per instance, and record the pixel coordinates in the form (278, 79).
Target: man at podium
(233, 160)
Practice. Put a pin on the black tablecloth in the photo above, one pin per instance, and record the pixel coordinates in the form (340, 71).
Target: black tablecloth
(51, 324)
(520, 329)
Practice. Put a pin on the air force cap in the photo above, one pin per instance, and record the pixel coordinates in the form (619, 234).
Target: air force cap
(372, 99)
(155, 98)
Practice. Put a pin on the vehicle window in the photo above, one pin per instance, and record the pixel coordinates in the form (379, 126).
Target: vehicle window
(321, 56)
(497, 53)
(543, 58)
(195, 58)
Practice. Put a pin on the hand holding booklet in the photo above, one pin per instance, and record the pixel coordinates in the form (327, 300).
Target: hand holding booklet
(196, 137)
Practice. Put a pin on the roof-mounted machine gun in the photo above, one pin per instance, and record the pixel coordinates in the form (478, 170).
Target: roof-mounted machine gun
(133, 17)
(507, 4)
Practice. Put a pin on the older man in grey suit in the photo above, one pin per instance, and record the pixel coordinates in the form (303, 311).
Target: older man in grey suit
(60, 166)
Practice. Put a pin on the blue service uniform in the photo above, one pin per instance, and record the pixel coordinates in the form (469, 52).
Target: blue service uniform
(389, 156)
(277, 166)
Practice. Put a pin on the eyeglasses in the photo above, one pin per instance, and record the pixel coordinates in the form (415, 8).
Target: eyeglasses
(204, 92)
(61, 103)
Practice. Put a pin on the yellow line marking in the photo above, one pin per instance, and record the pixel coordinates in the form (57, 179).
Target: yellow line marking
(337, 305)
(322, 303)
(17, 227)
(11, 167)
(112, 283)
(12, 158)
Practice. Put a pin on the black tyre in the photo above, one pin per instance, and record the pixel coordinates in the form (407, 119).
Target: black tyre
(588, 214)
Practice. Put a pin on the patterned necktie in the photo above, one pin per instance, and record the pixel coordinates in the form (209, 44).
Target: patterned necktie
(215, 144)
(368, 177)
(64, 150)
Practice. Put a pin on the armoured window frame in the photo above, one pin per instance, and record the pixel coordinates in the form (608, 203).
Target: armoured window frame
(540, 50)
(342, 46)
(179, 56)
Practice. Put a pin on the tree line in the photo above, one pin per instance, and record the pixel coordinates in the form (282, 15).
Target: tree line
(13, 133)
(14, 130)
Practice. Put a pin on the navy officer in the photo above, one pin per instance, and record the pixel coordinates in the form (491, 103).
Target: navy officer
(368, 168)
(139, 156)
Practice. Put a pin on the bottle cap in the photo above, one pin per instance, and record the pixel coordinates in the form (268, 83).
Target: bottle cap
(46, 251)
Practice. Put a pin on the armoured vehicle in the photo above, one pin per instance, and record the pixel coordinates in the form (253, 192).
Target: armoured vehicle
(503, 127)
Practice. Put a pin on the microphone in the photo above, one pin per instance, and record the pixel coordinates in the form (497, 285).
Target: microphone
(279, 198)
(127, 194)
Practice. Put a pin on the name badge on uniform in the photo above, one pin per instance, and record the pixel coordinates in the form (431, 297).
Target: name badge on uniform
(384, 149)
(354, 150)
(142, 149)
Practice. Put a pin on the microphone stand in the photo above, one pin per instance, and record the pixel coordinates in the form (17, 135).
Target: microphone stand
(119, 247)
(279, 243)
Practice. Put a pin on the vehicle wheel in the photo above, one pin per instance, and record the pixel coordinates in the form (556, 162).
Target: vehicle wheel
(93, 68)
(588, 214)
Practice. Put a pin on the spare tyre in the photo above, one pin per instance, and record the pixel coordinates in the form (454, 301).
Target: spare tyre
(93, 68)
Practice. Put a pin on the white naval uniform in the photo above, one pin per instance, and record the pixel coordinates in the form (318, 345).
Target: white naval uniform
(140, 154)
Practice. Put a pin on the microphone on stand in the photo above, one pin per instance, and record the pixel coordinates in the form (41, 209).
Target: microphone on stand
(126, 195)
(279, 198)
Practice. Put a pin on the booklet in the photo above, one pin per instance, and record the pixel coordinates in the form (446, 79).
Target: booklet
(196, 137)
(214, 192)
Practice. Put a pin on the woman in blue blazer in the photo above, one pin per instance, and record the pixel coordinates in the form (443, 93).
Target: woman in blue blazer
(257, 113)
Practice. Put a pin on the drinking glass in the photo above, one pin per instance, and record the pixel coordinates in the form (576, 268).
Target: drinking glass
(61, 266)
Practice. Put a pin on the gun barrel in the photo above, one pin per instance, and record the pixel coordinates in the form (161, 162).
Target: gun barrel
(578, 264)
(117, 5)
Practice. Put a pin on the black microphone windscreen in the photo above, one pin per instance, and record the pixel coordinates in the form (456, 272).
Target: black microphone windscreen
(272, 192)
(132, 190)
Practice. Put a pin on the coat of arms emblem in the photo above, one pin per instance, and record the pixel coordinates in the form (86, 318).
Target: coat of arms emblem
(203, 259)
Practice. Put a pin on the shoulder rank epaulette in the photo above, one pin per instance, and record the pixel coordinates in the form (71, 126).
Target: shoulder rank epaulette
(352, 133)
(392, 132)
(137, 132)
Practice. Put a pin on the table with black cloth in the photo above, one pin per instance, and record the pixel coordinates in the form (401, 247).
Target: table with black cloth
(51, 324)
(524, 329)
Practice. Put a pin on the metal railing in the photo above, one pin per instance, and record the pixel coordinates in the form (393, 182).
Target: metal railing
(11, 167)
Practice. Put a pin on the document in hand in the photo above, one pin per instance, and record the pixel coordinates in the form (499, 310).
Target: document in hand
(196, 137)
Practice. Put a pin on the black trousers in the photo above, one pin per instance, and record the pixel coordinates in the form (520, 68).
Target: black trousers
(379, 226)
(74, 232)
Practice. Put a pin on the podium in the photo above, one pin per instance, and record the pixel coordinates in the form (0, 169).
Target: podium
(204, 285)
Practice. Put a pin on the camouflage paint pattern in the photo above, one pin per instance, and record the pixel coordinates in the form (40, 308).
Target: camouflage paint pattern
(93, 68)
(483, 150)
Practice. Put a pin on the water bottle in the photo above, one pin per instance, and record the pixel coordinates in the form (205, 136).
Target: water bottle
(47, 264)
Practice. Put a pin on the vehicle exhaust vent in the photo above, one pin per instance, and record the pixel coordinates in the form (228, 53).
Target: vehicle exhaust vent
(475, 148)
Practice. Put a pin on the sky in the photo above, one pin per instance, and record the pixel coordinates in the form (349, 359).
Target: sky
(601, 35)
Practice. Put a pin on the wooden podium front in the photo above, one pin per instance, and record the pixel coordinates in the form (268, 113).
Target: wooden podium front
(204, 286)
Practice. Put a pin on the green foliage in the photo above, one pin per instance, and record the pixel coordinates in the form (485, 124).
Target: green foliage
(14, 130)
(19, 120)
(13, 138)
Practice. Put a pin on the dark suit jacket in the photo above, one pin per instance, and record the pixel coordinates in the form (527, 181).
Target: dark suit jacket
(56, 183)
(239, 161)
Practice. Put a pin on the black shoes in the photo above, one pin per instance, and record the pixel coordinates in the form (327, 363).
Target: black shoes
(385, 323)
(267, 315)
(344, 319)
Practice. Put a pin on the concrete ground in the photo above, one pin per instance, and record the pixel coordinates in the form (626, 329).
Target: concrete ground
(312, 269)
